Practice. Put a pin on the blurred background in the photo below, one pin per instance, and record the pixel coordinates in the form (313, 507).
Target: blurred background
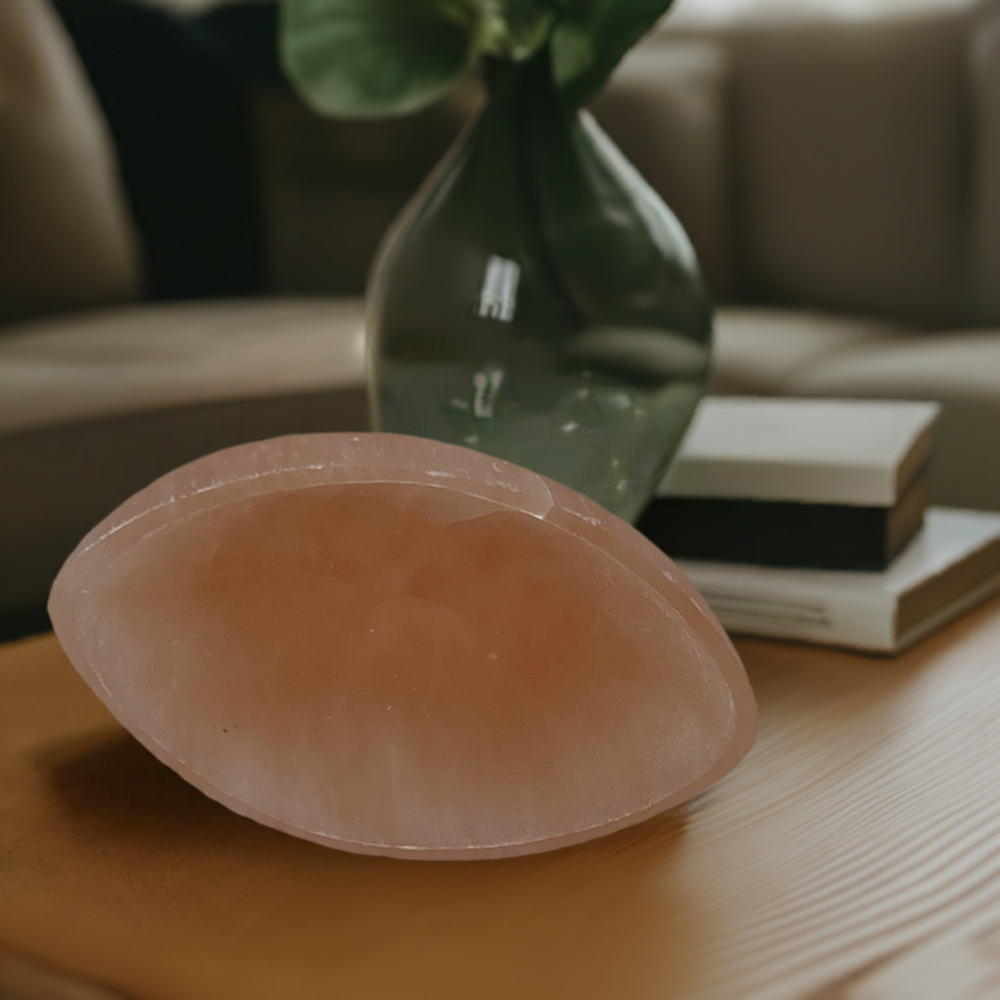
(235, 188)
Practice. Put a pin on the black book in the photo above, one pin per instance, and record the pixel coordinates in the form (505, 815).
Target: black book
(825, 484)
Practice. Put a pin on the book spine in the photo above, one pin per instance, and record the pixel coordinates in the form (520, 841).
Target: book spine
(844, 616)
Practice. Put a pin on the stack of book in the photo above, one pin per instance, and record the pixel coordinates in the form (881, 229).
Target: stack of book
(808, 520)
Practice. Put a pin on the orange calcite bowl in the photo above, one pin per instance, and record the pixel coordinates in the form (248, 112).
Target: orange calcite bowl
(396, 646)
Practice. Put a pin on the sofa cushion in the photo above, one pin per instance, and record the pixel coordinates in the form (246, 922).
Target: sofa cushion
(960, 370)
(128, 360)
(850, 150)
(757, 351)
(93, 409)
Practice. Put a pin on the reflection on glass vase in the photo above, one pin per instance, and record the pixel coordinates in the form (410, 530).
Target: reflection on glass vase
(537, 301)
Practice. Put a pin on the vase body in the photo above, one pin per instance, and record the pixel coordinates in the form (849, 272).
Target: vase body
(538, 302)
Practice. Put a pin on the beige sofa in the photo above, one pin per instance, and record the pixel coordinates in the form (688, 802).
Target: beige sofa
(837, 165)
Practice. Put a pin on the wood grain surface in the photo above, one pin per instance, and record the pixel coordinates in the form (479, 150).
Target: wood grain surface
(855, 854)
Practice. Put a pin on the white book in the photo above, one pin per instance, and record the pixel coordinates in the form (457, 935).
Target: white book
(952, 565)
(857, 452)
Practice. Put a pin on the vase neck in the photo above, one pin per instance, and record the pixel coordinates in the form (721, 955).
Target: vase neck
(525, 88)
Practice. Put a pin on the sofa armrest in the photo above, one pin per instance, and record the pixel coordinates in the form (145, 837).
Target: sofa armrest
(67, 239)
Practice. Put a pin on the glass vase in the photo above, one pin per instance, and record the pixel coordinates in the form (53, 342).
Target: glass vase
(538, 301)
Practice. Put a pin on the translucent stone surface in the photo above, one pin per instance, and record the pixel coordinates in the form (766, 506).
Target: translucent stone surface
(397, 646)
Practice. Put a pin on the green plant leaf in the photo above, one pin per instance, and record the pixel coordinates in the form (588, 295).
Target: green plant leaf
(592, 36)
(378, 58)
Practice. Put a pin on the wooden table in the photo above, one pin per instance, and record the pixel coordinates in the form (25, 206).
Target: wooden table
(854, 854)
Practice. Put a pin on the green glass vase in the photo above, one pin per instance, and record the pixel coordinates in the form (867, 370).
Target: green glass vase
(537, 301)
